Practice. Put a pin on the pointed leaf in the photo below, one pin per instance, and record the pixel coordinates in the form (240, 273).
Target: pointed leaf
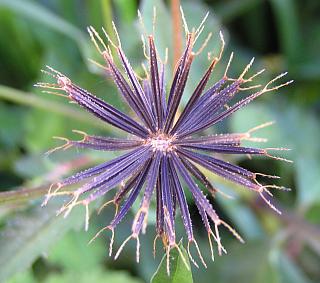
(178, 271)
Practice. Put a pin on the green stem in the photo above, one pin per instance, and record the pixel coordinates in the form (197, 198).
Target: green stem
(285, 12)
(29, 99)
(21, 195)
(127, 10)
(107, 17)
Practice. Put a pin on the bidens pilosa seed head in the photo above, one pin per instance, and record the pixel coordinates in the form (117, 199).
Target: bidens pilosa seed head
(164, 149)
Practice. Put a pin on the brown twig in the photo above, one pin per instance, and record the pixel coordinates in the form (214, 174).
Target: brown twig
(176, 30)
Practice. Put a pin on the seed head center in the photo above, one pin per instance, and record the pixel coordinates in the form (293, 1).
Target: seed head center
(161, 142)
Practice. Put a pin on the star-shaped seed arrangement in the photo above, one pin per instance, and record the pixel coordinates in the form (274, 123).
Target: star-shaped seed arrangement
(164, 152)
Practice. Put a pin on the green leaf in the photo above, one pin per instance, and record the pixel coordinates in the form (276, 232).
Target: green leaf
(25, 277)
(305, 151)
(163, 26)
(242, 216)
(308, 168)
(50, 124)
(11, 128)
(232, 9)
(242, 121)
(79, 256)
(92, 275)
(247, 263)
(178, 270)
(30, 234)
(32, 166)
(48, 19)
(285, 12)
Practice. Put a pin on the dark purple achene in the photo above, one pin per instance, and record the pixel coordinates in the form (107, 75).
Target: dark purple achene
(161, 151)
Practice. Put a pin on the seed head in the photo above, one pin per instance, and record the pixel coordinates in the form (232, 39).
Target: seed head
(164, 148)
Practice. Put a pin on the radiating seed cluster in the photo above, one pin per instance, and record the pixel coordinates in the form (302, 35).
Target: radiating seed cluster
(165, 150)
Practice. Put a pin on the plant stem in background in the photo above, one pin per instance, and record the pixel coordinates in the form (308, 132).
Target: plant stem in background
(29, 99)
(127, 10)
(23, 194)
(107, 16)
(176, 27)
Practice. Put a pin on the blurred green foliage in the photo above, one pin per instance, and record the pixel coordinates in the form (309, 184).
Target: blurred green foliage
(37, 246)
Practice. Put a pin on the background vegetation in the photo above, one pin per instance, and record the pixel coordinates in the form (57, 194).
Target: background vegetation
(37, 246)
